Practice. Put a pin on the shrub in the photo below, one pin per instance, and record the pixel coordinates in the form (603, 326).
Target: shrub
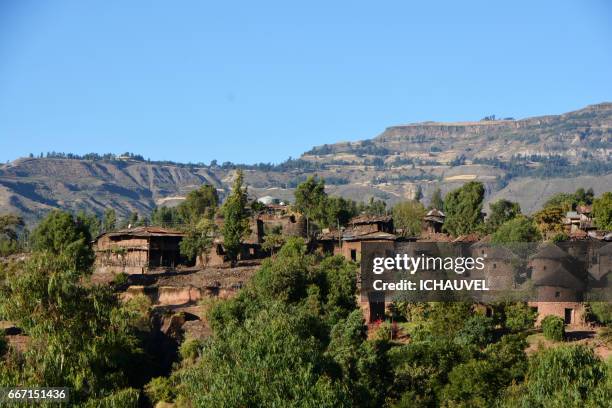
(190, 349)
(604, 335)
(477, 330)
(601, 312)
(519, 317)
(553, 328)
(384, 331)
(563, 372)
(127, 398)
(160, 389)
(120, 280)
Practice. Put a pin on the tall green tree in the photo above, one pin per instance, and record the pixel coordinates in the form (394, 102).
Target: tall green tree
(602, 211)
(91, 222)
(436, 200)
(199, 239)
(373, 207)
(109, 222)
(235, 219)
(79, 335)
(569, 201)
(501, 212)
(517, 230)
(60, 233)
(10, 227)
(408, 216)
(463, 208)
(198, 203)
(338, 211)
(9, 224)
(167, 217)
(549, 221)
(310, 199)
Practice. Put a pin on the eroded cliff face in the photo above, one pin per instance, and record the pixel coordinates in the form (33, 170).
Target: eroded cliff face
(396, 165)
(581, 134)
(33, 186)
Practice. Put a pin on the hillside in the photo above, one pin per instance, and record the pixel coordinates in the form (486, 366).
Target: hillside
(525, 160)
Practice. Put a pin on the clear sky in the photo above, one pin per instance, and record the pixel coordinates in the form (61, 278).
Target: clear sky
(258, 81)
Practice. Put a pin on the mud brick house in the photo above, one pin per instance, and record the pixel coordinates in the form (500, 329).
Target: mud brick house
(250, 248)
(578, 223)
(274, 218)
(348, 241)
(500, 265)
(433, 221)
(560, 281)
(600, 267)
(137, 250)
(277, 218)
(366, 228)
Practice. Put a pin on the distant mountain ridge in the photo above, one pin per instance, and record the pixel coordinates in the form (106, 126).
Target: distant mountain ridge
(526, 160)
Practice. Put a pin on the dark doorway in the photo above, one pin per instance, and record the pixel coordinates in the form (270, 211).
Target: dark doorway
(568, 316)
(377, 311)
(354, 255)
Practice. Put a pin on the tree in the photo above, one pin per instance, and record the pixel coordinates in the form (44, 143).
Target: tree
(463, 208)
(564, 201)
(9, 224)
(59, 232)
(236, 219)
(199, 239)
(338, 211)
(91, 222)
(418, 193)
(549, 221)
(501, 212)
(273, 358)
(602, 211)
(109, 222)
(517, 230)
(436, 200)
(584, 197)
(167, 217)
(408, 216)
(198, 203)
(473, 384)
(362, 363)
(373, 207)
(272, 242)
(79, 335)
(477, 330)
(569, 201)
(310, 199)
(563, 376)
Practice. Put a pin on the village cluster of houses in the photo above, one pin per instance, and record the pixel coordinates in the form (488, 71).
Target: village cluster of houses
(561, 271)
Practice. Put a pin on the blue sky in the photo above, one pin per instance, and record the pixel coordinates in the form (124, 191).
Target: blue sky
(261, 81)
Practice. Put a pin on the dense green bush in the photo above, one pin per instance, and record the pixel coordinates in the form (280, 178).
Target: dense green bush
(190, 349)
(567, 376)
(477, 330)
(601, 312)
(519, 317)
(120, 279)
(127, 398)
(160, 389)
(553, 328)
